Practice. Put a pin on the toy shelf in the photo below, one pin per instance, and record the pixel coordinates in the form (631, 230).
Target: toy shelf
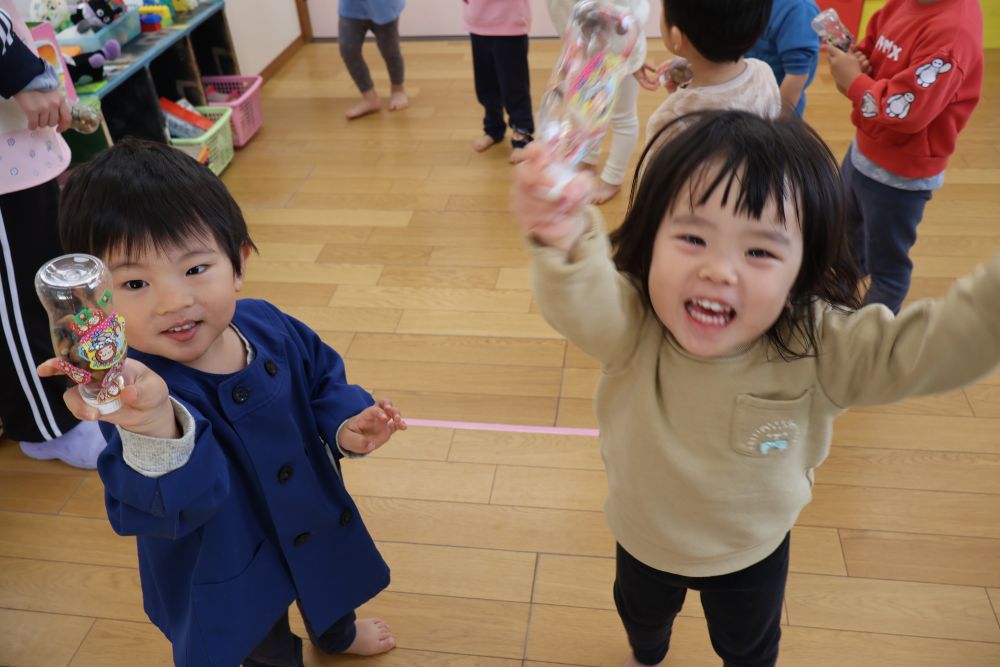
(167, 63)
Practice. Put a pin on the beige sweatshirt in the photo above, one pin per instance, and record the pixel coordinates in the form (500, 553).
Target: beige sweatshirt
(710, 461)
(754, 89)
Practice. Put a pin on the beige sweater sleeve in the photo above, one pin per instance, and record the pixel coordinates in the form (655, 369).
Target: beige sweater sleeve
(585, 298)
(869, 357)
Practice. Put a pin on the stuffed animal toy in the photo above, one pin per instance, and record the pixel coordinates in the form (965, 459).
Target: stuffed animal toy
(105, 10)
(94, 14)
(84, 18)
(55, 12)
(89, 67)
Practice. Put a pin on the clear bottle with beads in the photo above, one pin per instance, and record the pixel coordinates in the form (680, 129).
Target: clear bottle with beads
(832, 30)
(576, 108)
(88, 336)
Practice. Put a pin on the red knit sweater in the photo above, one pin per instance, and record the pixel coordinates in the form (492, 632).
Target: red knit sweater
(927, 77)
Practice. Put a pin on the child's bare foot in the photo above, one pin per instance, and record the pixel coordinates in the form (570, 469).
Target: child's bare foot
(605, 191)
(517, 155)
(370, 103)
(373, 637)
(632, 662)
(483, 142)
(398, 100)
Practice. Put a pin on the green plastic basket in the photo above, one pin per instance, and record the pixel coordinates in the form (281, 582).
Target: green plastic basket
(219, 139)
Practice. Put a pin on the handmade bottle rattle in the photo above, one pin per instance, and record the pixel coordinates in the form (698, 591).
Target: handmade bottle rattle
(88, 336)
(677, 69)
(832, 30)
(576, 107)
(85, 119)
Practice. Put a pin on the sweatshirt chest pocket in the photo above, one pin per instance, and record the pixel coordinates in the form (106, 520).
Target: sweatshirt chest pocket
(764, 427)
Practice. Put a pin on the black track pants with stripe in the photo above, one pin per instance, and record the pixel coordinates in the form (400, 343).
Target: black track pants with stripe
(31, 408)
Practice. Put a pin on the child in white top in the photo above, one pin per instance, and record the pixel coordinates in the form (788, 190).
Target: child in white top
(714, 35)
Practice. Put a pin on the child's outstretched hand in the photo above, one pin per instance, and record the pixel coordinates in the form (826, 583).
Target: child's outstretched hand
(371, 428)
(555, 221)
(647, 77)
(844, 67)
(145, 409)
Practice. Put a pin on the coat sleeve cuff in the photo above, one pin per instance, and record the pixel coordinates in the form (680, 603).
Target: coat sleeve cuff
(155, 457)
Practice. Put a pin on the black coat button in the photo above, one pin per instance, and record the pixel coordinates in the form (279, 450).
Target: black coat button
(241, 394)
(271, 368)
(345, 517)
(285, 474)
(301, 539)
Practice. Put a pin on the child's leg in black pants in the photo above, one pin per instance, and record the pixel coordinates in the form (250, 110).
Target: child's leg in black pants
(743, 609)
(488, 91)
(281, 648)
(511, 57)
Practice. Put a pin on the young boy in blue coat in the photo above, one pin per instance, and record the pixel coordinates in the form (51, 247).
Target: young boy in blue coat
(224, 460)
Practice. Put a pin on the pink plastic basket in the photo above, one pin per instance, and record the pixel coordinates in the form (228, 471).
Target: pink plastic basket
(248, 115)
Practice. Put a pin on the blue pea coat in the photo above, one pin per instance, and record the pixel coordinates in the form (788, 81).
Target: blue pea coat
(259, 515)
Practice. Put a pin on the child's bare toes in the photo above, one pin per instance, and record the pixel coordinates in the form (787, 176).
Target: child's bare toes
(363, 108)
(373, 637)
(483, 142)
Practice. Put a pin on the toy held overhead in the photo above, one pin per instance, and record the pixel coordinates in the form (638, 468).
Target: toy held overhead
(576, 107)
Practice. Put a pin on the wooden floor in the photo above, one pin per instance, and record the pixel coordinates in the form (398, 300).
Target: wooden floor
(391, 237)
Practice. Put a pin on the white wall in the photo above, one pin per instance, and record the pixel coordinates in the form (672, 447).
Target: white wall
(443, 18)
(261, 30)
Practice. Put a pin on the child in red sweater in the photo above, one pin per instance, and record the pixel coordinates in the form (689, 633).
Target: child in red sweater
(913, 82)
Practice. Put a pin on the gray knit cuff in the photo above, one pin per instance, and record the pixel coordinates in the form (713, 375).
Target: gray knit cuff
(343, 452)
(155, 457)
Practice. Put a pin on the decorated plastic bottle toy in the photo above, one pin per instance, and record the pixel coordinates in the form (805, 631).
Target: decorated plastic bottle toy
(85, 119)
(576, 107)
(832, 30)
(88, 336)
(677, 69)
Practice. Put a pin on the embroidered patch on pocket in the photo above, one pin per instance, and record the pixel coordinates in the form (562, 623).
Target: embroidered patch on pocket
(769, 427)
(776, 436)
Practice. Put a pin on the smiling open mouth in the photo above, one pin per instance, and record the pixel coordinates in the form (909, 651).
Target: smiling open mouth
(183, 327)
(712, 313)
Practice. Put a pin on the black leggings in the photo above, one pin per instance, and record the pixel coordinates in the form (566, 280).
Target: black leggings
(351, 36)
(500, 66)
(743, 608)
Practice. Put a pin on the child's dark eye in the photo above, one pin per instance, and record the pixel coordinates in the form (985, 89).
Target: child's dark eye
(195, 270)
(134, 284)
(692, 239)
(760, 253)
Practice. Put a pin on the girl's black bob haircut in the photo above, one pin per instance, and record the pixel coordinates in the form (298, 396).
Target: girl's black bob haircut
(141, 194)
(755, 161)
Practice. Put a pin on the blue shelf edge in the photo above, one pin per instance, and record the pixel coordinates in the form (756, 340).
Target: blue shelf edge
(149, 52)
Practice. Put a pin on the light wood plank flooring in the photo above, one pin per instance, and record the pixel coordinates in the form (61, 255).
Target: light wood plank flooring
(390, 236)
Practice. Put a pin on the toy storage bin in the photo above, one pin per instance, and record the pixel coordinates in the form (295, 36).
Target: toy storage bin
(248, 114)
(219, 139)
(125, 28)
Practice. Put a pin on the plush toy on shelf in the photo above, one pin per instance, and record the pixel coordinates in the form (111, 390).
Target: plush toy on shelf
(94, 14)
(105, 10)
(55, 12)
(89, 67)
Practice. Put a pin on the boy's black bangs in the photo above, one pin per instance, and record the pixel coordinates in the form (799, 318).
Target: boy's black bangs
(139, 195)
